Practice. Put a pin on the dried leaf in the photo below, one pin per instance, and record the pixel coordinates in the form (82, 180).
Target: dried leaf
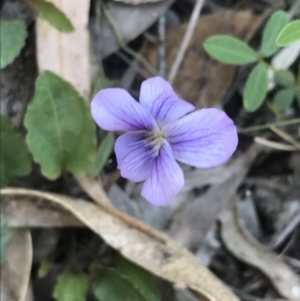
(138, 19)
(60, 52)
(138, 242)
(15, 270)
(202, 80)
(246, 248)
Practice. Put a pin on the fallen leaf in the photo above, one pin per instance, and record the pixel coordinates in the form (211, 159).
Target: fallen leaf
(138, 19)
(15, 270)
(138, 242)
(247, 249)
(192, 222)
(67, 54)
(201, 80)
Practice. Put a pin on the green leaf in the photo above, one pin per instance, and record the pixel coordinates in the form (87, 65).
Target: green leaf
(14, 154)
(105, 148)
(53, 15)
(140, 278)
(112, 286)
(285, 78)
(284, 98)
(13, 35)
(6, 235)
(72, 285)
(44, 268)
(273, 27)
(256, 88)
(229, 50)
(289, 34)
(61, 131)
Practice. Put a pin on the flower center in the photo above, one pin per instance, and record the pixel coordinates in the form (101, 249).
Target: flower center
(155, 139)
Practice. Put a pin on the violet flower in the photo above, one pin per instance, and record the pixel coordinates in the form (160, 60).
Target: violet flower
(162, 128)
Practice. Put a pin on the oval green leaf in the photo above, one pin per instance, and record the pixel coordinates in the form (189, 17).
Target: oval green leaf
(273, 27)
(49, 12)
(14, 154)
(141, 279)
(284, 98)
(285, 78)
(229, 50)
(112, 286)
(61, 131)
(13, 35)
(72, 285)
(256, 88)
(289, 34)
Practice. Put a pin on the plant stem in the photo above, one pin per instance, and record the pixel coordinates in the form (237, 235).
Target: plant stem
(267, 125)
(122, 44)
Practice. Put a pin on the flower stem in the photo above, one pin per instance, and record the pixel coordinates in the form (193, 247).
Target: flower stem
(122, 44)
(267, 125)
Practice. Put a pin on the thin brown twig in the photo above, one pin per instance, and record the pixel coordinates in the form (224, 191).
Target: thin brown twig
(111, 180)
(285, 136)
(274, 144)
(186, 40)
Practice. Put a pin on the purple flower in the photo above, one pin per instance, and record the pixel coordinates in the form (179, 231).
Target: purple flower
(162, 128)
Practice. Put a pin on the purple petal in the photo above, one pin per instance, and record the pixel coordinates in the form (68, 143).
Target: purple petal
(114, 109)
(158, 97)
(205, 138)
(165, 180)
(135, 157)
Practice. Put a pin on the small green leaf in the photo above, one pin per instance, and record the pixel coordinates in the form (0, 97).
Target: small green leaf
(14, 154)
(6, 235)
(72, 285)
(61, 131)
(284, 98)
(105, 148)
(256, 88)
(285, 78)
(44, 268)
(140, 278)
(13, 35)
(229, 50)
(49, 12)
(112, 286)
(289, 34)
(273, 27)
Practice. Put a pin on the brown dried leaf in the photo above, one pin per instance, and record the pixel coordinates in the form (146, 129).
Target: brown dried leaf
(246, 248)
(67, 54)
(201, 80)
(138, 242)
(15, 269)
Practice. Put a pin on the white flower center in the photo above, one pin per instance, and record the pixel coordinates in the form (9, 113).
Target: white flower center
(155, 139)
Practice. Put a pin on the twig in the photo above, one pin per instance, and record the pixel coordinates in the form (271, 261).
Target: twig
(111, 180)
(122, 44)
(285, 136)
(275, 145)
(267, 125)
(186, 40)
(161, 28)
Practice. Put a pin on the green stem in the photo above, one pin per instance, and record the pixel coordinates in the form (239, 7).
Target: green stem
(122, 44)
(267, 125)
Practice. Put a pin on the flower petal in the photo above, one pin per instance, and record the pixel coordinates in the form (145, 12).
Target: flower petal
(135, 157)
(165, 180)
(158, 97)
(205, 138)
(114, 109)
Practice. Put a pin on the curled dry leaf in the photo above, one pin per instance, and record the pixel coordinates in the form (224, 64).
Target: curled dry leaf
(246, 248)
(138, 242)
(60, 52)
(16, 267)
